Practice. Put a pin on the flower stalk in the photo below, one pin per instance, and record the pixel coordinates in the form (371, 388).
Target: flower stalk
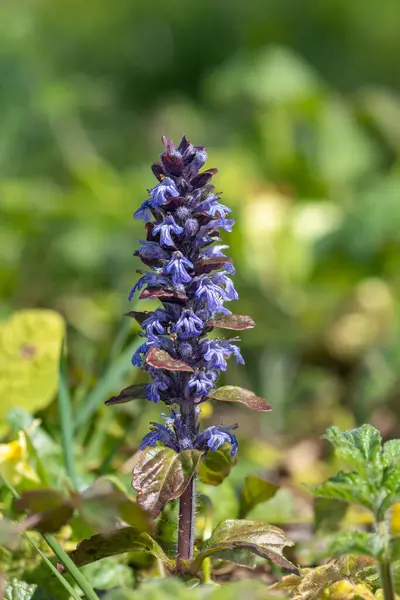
(188, 271)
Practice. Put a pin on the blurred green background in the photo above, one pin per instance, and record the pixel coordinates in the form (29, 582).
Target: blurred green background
(299, 106)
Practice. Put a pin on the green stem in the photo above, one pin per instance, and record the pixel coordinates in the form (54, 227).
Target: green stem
(384, 564)
(68, 563)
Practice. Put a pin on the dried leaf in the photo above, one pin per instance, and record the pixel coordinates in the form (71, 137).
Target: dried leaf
(232, 393)
(160, 475)
(235, 322)
(159, 359)
(133, 392)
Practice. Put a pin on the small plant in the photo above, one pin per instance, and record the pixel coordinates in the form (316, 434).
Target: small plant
(190, 274)
(374, 483)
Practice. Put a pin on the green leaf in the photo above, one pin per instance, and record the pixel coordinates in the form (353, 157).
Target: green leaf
(360, 448)
(160, 475)
(159, 359)
(358, 542)
(133, 392)
(155, 549)
(109, 573)
(215, 466)
(18, 590)
(120, 594)
(391, 454)
(264, 540)
(232, 393)
(255, 491)
(234, 322)
(29, 367)
(328, 513)
(103, 545)
(348, 486)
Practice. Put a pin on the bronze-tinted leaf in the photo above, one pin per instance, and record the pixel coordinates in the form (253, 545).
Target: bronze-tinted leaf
(235, 322)
(149, 231)
(215, 466)
(138, 316)
(255, 491)
(160, 475)
(51, 508)
(203, 178)
(159, 359)
(133, 392)
(173, 164)
(264, 540)
(232, 393)
(164, 295)
(206, 265)
(175, 202)
(158, 170)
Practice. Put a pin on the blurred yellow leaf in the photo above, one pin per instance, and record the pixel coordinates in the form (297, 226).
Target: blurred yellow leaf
(30, 344)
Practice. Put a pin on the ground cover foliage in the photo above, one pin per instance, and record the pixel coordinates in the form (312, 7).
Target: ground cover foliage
(304, 132)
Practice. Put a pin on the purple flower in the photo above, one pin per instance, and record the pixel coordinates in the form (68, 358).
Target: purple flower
(152, 279)
(183, 219)
(214, 437)
(176, 268)
(188, 325)
(165, 228)
(143, 213)
(159, 384)
(201, 382)
(151, 251)
(211, 295)
(230, 292)
(198, 161)
(214, 353)
(212, 207)
(214, 251)
(154, 322)
(137, 358)
(160, 433)
(159, 194)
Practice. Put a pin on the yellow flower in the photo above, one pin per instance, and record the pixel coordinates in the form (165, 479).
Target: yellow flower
(14, 461)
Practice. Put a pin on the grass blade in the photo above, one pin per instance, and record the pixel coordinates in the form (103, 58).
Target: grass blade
(66, 420)
(63, 557)
(112, 379)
